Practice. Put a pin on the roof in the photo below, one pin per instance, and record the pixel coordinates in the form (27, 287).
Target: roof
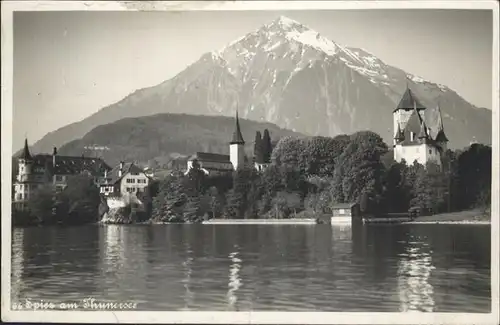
(71, 165)
(399, 135)
(212, 157)
(113, 176)
(237, 136)
(440, 136)
(413, 124)
(26, 151)
(423, 131)
(344, 205)
(409, 101)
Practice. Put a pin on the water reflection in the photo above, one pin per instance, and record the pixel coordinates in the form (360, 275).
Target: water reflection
(287, 267)
(414, 271)
(17, 265)
(186, 281)
(234, 279)
(112, 248)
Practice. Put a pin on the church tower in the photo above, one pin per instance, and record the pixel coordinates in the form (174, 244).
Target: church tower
(236, 146)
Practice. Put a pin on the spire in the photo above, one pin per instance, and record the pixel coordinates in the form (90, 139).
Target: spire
(399, 136)
(26, 151)
(423, 131)
(237, 137)
(440, 136)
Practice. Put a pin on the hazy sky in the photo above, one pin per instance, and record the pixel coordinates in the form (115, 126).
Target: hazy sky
(68, 65)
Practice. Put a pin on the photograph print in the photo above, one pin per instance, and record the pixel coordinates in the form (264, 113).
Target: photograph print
(223, 157)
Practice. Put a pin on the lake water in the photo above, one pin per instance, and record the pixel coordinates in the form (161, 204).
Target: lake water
(440, 268)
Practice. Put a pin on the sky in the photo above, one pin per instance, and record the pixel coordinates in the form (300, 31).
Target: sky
(68, 65)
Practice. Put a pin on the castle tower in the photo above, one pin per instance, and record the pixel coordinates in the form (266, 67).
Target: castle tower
(25, 163)
(24, 184)
(407, 105)
(236, 146)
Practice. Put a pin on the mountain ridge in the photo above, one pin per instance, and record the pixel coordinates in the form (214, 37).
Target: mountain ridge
(284, 71)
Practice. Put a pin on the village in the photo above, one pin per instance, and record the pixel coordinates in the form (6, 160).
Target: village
(124, 185)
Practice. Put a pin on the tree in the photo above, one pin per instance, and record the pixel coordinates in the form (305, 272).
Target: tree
(215, 202)
(360, 170)
(82, 199)
(320, 154)
(290, 151)
(267, 147)
(168, 204)
(41, 204)
(257, 149)
(474, 175)
(285, 203)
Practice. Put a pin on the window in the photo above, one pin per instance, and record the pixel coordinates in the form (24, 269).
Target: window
(134, 174)
(341, 211)
(59, 178)
(430, 151)
(20, 196)
(130, 180)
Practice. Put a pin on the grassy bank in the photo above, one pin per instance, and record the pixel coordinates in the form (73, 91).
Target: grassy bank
(468, 216)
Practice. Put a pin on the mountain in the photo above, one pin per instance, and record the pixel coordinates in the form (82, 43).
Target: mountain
(163, 137)
(286, 73)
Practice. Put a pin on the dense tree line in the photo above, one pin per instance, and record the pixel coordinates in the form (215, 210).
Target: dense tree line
(306, 177)
(77, 204)
(309, 175)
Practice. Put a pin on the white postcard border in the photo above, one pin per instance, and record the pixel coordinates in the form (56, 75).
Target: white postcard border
(8, 7)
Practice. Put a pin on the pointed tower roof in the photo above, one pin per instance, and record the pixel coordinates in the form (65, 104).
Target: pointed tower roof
(237, 137)
(399, 135)
(26, 151)
(440, 136)
(409, 101)
(423, 131)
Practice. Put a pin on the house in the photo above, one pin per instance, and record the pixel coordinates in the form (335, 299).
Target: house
(412, 137)
(42, 169)
(345, 212)
(122, 184)
(126, 178)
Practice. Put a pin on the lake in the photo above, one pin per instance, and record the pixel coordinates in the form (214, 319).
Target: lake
(434, 268)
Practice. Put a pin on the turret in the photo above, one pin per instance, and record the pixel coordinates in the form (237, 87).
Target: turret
(423, 135)
(441, 138)
(25, 162)
(236, 146)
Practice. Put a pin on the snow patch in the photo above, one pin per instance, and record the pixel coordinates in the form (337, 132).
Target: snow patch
(313, 39)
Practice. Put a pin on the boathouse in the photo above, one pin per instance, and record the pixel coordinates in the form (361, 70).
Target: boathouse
(345, 212)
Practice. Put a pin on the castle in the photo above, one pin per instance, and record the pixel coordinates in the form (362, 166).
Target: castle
(214, 163)
(412, 137)
(38, 170)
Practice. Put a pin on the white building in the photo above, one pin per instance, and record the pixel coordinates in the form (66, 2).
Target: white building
(42, 169)
(126, 178)
(412, 137)
(121, 185)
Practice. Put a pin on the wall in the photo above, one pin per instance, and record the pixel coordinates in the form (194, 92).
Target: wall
(421, 153)
(135, 182)
(237, 155)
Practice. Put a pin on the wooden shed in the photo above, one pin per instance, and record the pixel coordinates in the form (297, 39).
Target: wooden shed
(345, 212)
